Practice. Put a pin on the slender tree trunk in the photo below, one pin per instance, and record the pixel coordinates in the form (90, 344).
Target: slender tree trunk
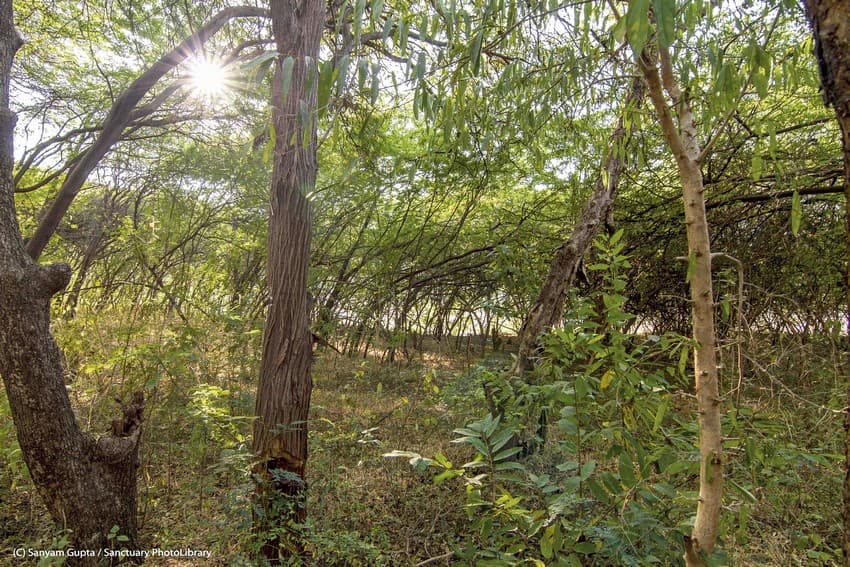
(283, 394)
(548, 308)
(830, 21)
(683, 143)
(87, 484)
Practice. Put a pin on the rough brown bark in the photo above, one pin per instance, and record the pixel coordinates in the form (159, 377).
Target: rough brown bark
(830, 21)
(87, 484)
(681, 134)
(283, 393)
(548, 307)
(125, 111)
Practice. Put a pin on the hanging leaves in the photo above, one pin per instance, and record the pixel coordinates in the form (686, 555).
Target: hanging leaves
(665, 17)
(374, 90)
(796, 213)
(475, 52)
(326, 80)
(637, 24)
(286, 76)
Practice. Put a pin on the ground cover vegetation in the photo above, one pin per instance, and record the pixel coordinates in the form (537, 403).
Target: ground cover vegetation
(425, 283)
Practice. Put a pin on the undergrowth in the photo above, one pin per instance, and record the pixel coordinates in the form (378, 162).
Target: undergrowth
(613, 484)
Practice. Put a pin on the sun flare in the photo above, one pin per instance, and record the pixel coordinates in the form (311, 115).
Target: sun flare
(207, 78)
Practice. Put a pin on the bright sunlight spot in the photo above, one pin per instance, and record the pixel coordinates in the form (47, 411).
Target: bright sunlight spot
(207, 78)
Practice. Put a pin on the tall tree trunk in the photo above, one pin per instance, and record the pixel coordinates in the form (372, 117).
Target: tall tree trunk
(87, 484)
(548, 308)
(681, 135)
(830, 21)
(283, 394)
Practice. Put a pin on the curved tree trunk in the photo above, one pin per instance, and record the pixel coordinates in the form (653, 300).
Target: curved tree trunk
(283, 394)
(548, 307)
(87, 484)
(830, 21)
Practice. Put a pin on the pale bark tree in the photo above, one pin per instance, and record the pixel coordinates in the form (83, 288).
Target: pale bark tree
(88, 484)
(830, 21)
(679, 127)
(283, 393)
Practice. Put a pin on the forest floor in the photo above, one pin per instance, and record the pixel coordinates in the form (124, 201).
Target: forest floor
(368, 509)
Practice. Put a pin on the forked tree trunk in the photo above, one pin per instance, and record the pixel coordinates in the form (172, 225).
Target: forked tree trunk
(830, 21)
(87, 484)
(283, 394)
(681, 134)
(548, 307)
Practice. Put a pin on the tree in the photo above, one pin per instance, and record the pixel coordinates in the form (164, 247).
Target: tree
(283, 393)
(87, 483)
(679, 127)
(548, 308)
(830, 20)
(124, 113)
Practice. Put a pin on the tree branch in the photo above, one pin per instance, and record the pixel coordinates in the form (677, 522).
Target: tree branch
(121, 115)
(656, 95)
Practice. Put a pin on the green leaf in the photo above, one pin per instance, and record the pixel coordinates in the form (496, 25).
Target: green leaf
(270, 143)
(325, 82)
(475, 52)
(476, 442)
(420, 66)
(587, 469)
(659, 415)
(744, 492)
(500, 439)
(607, 378)
(546, 544)
(796, 213)
(286, 76)
(362, 72)
(637, 24)
(665, 18)
(585, 547)
(260, 65)
(626, 469)
(756, 164)
(377, 9)
(684, 354)
(388, 28)
(359, 8)
(342, 74)
(403, 30)
(446, 474)
(508, 465)
(598, 490)
(305, 120)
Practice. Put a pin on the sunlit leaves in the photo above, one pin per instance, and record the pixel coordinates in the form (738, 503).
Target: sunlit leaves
(637, 24)
(796, 213)
(665, 19)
